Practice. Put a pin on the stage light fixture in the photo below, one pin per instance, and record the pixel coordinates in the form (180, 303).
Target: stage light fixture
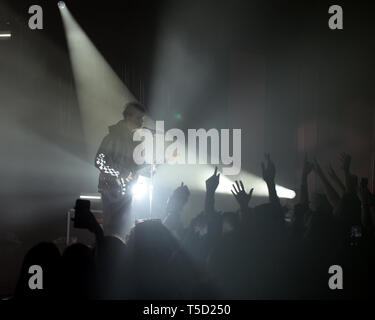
(61, 4)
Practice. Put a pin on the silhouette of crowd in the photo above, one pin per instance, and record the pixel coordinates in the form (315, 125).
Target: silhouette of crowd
(251, 253)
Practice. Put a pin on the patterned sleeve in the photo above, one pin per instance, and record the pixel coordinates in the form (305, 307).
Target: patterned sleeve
(103, 158)
(101, 164)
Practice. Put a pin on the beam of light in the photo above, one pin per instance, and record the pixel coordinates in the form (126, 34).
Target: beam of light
(285, 192)
(5, 34)
(260, 188)
(101, 93)
(195, 176)
(88, 197)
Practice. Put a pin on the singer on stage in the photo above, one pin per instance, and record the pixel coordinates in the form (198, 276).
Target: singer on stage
(115, 161)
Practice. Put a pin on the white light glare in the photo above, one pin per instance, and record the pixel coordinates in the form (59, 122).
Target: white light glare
(285, 193)
(90, 197)
(141, 187)
(5, 35)
(61, 4)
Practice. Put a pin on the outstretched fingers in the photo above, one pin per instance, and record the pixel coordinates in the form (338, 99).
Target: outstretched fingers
(235, 194)
(242, 187)
(251, 192)
(235, 189)
(238, 186)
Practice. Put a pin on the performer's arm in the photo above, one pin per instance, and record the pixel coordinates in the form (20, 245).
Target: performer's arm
(103, 160)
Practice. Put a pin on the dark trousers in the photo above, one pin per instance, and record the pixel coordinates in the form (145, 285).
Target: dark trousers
(116, 214)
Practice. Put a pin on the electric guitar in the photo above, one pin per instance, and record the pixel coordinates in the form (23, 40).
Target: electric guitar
(118, 186)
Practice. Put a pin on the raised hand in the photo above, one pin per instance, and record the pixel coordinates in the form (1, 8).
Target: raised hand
(268, 170)
(240, 194)
(182, 193)
(212, 182)
(179, 198)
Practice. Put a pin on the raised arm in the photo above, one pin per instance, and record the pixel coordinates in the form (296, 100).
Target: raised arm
(88, 221)
(269, 173)
(214, 218)
(175, 205)
(243, 198)
(103, 159)
(211, 186)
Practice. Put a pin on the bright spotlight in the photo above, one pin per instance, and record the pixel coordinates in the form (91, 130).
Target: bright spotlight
(90, 197)
(141, 187)
(5, 34)
(285, 193)
(92, 95)
(61, 4)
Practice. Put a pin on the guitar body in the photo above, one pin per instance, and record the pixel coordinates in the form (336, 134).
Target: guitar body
(116, 188)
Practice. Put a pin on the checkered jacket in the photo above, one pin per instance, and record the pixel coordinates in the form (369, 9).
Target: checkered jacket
(114, 158)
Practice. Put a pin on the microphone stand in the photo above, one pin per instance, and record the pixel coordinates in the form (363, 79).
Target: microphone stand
(151, 184)
(152, 167)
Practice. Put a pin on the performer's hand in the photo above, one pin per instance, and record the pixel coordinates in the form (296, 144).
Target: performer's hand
(129, 177)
